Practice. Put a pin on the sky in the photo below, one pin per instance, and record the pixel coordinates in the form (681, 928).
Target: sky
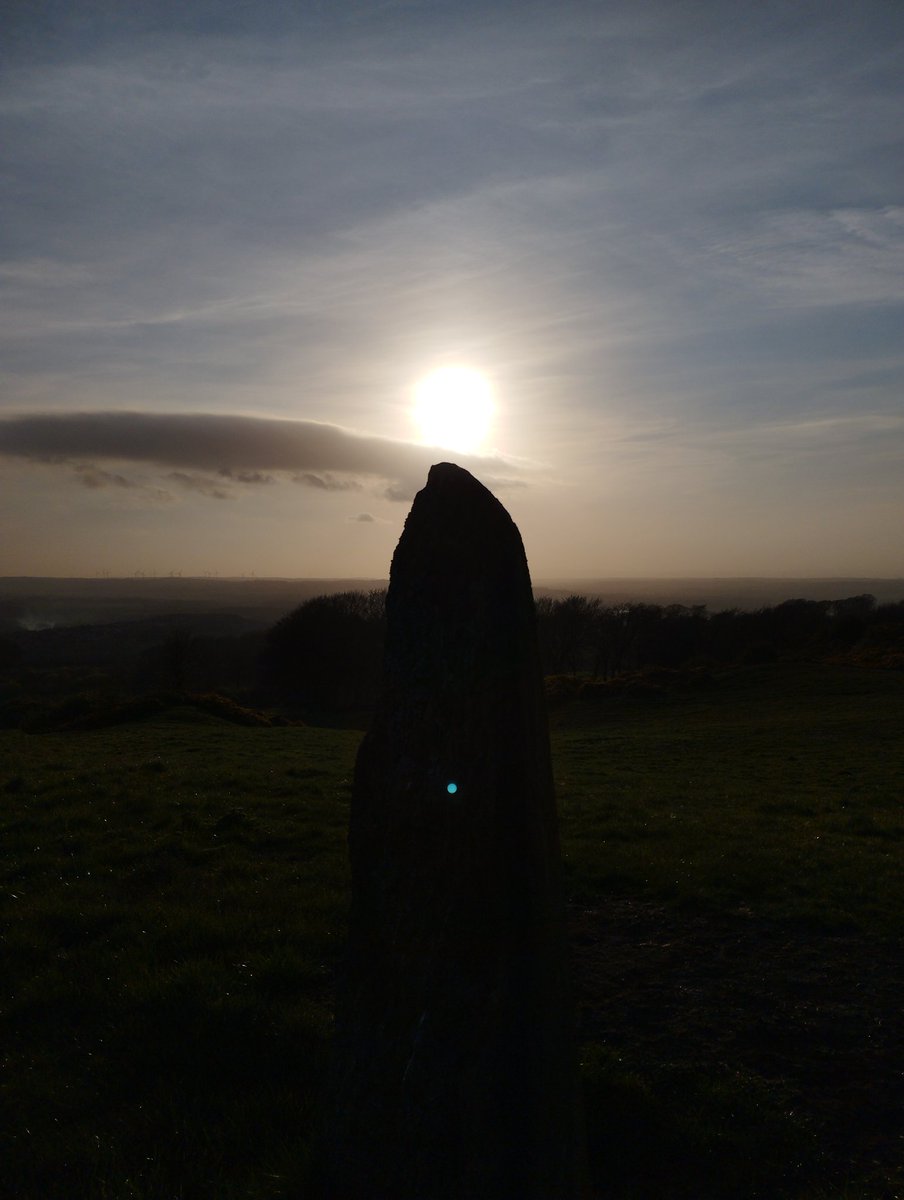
(669, 236)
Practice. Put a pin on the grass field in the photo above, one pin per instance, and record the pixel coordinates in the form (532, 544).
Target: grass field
(173, 902)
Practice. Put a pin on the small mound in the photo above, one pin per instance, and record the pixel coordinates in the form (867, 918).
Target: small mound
(186, 714)
(182, 708)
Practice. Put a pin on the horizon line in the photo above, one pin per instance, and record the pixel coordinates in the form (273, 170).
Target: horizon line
(538, 580)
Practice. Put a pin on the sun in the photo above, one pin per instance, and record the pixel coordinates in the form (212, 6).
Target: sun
(453, 408)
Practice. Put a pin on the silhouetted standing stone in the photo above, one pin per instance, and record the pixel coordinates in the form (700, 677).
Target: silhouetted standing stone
(454, 1077)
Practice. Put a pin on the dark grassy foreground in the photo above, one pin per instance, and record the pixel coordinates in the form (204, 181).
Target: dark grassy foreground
(173, 896)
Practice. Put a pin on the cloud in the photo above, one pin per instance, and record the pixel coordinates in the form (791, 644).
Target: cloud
(197, 483)
(816, 259)
(43, 273)
(364, 518)
(250, 477)
(94, 478)
(397, 492)
(237, 448)
(326, 483)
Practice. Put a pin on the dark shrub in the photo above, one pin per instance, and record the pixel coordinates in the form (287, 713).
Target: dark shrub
(328, 651)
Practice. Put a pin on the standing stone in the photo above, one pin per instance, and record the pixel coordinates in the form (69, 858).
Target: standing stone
(454, 1076)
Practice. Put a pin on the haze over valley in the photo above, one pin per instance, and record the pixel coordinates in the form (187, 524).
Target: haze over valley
(41, 603)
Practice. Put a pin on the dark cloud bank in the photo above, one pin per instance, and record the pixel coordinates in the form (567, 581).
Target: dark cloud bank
(232, 450)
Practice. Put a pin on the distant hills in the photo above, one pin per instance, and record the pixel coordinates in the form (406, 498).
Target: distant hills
(40, 603)
(721, 593)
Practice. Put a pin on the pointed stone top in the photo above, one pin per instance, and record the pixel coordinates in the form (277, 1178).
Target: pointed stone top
(455, 489)
(447, 475)
(448, 472)
(458, 521)
(459, 602)
(446, 469)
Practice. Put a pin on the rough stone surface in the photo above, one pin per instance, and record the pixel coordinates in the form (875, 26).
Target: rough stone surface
(453, 1067)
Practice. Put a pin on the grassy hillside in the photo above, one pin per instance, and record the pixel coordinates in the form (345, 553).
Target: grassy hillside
(173, 895)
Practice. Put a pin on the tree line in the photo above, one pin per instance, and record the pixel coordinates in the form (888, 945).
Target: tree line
(329, 649)
(582, 635)
(322, 661)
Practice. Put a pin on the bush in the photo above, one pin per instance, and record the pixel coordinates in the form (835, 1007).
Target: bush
(328, 652)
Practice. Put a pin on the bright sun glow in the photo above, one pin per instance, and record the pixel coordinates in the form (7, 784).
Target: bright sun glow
(453, 408)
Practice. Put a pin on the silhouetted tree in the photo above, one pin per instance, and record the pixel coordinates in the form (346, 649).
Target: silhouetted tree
(851, 617)
(796, 624)
(328, 651)
(570, 633)
(625, 638)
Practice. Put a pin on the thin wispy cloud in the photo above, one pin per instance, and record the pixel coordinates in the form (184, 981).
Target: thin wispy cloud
(824, 259)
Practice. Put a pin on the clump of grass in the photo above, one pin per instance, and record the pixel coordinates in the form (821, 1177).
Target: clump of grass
(684, 1134)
